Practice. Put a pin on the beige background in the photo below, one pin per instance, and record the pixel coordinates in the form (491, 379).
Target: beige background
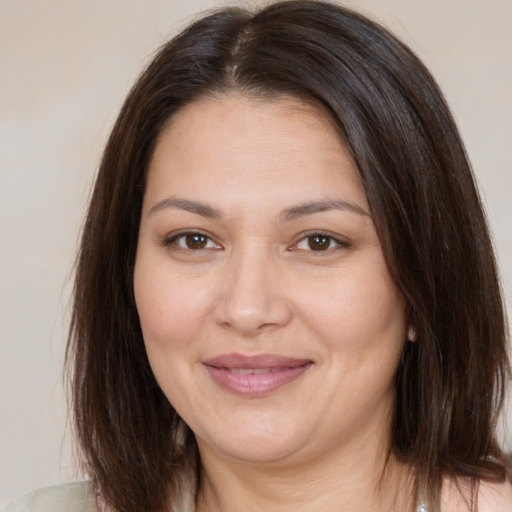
(65, 67)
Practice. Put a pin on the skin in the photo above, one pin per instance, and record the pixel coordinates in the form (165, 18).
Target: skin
(257, 287)
(492, 496)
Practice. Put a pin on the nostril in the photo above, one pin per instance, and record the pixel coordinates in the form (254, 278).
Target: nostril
(252, 316)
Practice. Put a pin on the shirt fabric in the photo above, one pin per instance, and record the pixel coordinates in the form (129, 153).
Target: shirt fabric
(70, 497)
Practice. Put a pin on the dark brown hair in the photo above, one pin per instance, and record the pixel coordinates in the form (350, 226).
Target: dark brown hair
(426, 210)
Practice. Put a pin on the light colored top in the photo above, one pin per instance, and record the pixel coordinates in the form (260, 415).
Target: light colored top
(74, 497)
(71, 497)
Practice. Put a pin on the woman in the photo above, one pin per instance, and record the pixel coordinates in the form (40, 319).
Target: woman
(286, 296)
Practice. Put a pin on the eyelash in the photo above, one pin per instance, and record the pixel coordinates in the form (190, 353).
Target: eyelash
(333, 243)
(172, 241)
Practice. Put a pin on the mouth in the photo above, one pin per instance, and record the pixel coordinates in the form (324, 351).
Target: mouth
(252, 371)
(254, 376)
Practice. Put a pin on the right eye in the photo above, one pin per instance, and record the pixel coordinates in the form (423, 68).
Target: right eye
(191, 241)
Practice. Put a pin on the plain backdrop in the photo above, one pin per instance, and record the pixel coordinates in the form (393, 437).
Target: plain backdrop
(65, 67)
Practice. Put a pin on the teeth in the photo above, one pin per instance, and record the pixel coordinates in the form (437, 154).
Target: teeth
(255, 371)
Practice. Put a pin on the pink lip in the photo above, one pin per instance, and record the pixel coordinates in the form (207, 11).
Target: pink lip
(254, 376)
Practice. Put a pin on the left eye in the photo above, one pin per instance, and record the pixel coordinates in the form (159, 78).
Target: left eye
(317, 242)
(192, 241)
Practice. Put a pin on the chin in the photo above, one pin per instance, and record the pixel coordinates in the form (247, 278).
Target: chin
(262, 453)
(260, 446)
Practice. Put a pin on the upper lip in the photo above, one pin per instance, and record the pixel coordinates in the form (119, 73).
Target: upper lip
(255, 361)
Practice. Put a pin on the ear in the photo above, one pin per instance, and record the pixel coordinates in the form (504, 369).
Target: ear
(411, 334)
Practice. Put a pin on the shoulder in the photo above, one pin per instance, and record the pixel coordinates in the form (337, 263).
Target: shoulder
(495, 497)
(71, 497)
(492, 496)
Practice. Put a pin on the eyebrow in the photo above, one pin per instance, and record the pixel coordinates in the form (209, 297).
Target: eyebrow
(287, 215)
(312, 207)
(185, 204)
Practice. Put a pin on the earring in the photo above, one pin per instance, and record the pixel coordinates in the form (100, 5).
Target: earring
(411, 334)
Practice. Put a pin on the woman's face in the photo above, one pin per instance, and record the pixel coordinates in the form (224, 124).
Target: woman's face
(269, 317)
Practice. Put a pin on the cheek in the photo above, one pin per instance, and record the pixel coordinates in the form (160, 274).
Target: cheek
(171, 314)
(357, 311)
(170, 308)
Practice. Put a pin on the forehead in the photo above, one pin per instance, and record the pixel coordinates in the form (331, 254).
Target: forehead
(250, 146)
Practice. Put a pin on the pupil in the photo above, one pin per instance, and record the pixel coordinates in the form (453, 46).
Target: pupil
(318, 243)
(196, 241)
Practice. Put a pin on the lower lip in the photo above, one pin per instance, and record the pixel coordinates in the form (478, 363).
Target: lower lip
(256, 384)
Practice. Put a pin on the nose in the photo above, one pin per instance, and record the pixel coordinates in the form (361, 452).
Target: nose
(252, 297)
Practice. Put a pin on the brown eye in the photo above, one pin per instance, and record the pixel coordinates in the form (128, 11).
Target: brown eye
(319, 242)
(195, 241)
(191, 241)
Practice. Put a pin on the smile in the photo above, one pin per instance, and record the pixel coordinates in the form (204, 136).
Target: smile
(254, 371)
(253, 376)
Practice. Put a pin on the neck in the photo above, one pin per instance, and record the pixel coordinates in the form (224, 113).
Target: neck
(362, 480)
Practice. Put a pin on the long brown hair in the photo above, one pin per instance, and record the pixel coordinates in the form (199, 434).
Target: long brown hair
(427, 213)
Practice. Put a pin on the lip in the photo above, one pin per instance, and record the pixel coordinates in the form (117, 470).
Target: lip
(255, 375)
